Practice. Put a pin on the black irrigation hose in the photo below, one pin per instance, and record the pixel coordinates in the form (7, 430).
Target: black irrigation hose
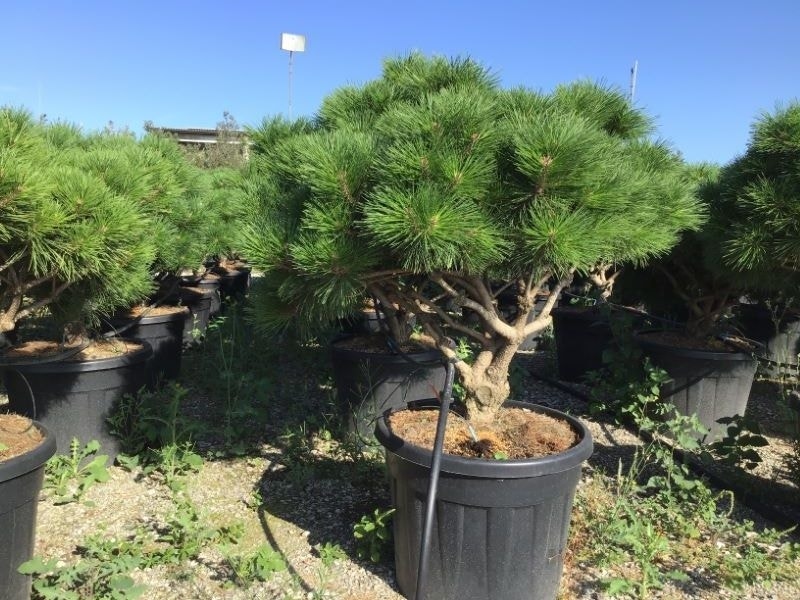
(740, 491)
(433, 484)
(436, 461)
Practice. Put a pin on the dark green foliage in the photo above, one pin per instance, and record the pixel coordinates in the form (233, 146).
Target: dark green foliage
(761, 190)
(750, 244)
(88, 221)
(67, 239)
(422, 185)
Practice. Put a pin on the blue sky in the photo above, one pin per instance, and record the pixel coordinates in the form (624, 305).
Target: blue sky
(706, 68)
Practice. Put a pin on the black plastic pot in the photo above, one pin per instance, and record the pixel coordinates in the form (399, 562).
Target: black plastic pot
(781, 338)
(211, 287)
(164, 333)
(709, 384)
(581, 336)
(233, 285)
(500, 529)
(198, 301)
(365, 322)
(368, 383)
(74, 398)
(20, 483)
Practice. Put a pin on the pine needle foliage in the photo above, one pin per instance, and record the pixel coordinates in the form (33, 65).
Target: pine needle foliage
(68, 241)
(760, 191)
(424, 186)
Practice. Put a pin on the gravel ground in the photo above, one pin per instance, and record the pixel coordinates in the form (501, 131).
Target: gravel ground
(294, 515)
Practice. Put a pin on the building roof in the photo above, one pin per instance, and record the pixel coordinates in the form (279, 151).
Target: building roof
(197, 135)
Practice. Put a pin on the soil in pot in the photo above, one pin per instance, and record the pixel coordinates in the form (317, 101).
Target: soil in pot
(18, 435)
(25, 447)
(515, 433)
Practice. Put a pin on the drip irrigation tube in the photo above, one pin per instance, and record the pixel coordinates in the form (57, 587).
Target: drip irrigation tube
(433, 484)
(446, 400)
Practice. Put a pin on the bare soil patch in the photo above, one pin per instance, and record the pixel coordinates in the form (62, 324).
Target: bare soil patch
(154, 311)
(376, 344)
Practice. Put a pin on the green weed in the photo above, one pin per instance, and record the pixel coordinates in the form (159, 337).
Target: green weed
(373, 535)
(69, 476)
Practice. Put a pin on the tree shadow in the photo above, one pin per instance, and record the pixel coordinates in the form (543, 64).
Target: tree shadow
(324, 497)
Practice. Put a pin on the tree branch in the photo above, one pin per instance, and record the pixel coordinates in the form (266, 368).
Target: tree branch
(449, 321)
(492, 320)
(393, 322)
(543, 319)
(43, 301)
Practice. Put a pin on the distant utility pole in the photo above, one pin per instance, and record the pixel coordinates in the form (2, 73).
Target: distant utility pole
(293, 43)
(634, 73)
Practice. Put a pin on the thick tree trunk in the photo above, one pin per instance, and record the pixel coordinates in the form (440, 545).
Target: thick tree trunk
(485, 383)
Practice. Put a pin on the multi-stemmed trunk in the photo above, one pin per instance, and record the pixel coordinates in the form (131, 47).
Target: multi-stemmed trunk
(22, 294)
(441, 305)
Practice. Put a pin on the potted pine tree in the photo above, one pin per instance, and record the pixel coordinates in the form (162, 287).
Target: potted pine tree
(748, 247)
(420, 188)
(72, 249)
(155, 175)
(225, 202)
(711, 368)
(761, 188)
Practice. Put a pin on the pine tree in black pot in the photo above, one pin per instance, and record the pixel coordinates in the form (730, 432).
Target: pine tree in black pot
(420, 189)
(748, 247)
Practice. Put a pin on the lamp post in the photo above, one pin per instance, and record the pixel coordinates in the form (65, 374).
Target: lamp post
(293, 43)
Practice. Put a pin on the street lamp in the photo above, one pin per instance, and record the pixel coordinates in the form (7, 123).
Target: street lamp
(293, 43)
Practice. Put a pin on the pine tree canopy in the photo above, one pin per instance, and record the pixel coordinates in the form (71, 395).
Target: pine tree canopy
(432, 189)
(87, 221)
(760, 199)
(433, 168)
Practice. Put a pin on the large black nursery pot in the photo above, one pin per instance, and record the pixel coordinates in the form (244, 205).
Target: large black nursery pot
(198, 301)
(581, 335)
(74, 398)
(21, 480)
(370, 381)
(707, 383)
(210, 286)
(780, 336)
(162, 327)
(500, 526)
(233, 283)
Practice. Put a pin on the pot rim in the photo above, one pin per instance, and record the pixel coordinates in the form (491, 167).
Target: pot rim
(715, 355)
(495, 469)
(95, 364)
(30, 460)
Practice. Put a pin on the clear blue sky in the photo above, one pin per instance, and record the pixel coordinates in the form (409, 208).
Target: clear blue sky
(706, 68)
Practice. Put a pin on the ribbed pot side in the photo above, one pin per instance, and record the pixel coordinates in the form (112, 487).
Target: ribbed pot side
(74, 399)
(708, 384)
